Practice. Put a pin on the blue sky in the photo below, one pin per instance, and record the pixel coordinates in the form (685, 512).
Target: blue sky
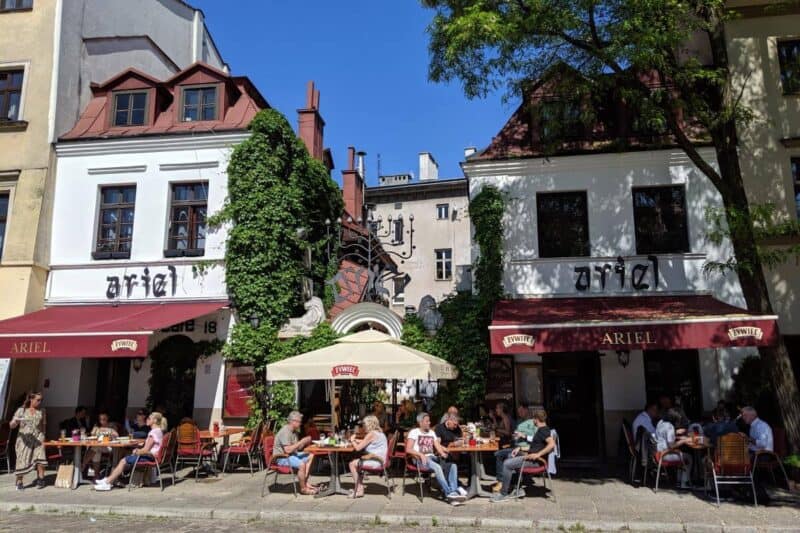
(369, 60)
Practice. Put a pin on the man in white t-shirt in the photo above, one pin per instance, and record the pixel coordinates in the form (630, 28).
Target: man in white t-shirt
(426, 449)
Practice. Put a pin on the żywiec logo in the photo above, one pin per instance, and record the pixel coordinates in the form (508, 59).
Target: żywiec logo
(124, 344)
(344, 370)
(745, 331)
(524, 340)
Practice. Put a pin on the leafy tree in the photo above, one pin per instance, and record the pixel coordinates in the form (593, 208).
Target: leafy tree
(278, 200)
(487, 44)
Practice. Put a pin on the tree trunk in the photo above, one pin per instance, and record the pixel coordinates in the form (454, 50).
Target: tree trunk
(756, 294)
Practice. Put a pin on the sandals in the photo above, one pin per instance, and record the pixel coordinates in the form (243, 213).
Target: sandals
(352, 494)
(308, 492)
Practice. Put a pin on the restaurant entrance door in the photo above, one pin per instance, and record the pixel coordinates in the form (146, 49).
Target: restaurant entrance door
(173, 372)
(573, 400)
(111, 392)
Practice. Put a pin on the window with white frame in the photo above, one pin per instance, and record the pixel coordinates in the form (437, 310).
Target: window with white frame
(444, 264)
(5, 199)
(442, 211)
(15, 5)
(11, 94)
(400, 289)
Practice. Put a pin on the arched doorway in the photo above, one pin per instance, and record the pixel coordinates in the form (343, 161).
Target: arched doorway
(173, 371)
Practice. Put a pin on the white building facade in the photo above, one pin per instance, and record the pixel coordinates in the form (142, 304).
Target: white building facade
(603, 268)
(437, 210)
(131, 247)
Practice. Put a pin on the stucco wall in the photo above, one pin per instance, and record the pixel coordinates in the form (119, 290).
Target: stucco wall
(430, 234)
(101, 38)
(765, 162)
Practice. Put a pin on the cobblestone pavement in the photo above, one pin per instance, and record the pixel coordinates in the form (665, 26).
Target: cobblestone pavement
(56, 523)
(598, 503)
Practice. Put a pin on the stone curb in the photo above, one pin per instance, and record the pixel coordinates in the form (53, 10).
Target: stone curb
(364, 518)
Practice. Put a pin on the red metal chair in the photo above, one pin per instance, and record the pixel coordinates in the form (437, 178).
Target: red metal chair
(5, 444)
(162, 459)
(633, 455)
(272, 466)
(383, 469)
(191, 449)
(767, 460)
(536, 468)
(248, 446)
(417, 473)
(661, 460)
(731, 464)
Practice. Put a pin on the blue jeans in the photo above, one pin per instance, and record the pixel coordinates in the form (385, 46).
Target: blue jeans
(499, 457)
(448, 484)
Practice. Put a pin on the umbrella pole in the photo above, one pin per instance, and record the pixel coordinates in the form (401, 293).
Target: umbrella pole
(332, 385)
(394, 399)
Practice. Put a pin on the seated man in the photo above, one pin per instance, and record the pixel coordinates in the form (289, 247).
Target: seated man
(721, 424)
(760, 433)
(287, 443)
(524, 433)
(448, 431)
(541, 444)
(644, 422)
(452, 410)
(424, 447)
(77, 422)
(667, 444)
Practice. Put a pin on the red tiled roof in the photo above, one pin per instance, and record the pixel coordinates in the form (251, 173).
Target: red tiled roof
(240, 103)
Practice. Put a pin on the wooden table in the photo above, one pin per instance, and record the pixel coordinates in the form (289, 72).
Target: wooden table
(77, 461)
(225, 435)
(333, 452)
(474, 452)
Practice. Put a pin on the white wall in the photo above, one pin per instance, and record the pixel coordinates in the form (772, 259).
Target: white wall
(430, 234)
(608, 180)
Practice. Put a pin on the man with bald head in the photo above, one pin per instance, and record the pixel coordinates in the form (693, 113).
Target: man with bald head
(760, 432)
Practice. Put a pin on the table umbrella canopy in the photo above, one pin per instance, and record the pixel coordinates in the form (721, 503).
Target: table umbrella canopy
(364, 355)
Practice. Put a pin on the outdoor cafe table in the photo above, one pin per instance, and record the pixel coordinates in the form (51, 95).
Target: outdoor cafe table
(698, 450)
(116, 446)
(333, 452)
(474, 452)
(224, 434)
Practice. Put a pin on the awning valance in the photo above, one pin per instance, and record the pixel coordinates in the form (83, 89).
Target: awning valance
(102, 330)
(544, 325)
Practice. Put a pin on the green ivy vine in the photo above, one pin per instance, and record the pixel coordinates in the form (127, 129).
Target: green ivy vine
(279, 198)
(463, 339)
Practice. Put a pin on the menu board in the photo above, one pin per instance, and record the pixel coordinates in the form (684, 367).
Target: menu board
(500, 378)
(239, 380)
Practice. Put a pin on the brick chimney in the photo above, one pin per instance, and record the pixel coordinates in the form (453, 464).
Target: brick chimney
(310, 125)
(353, 187)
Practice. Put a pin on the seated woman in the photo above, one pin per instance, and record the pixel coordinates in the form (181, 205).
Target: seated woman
(406, 415)
(103, 428)
(668, 441)
(148, 452)
(374, 443)
(379, 412)
(137, 428)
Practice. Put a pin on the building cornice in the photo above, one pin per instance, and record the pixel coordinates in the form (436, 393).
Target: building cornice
(161, 143)
(450, 187)
(538, 165)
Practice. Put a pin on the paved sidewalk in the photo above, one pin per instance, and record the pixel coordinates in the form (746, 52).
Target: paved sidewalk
(605, 504)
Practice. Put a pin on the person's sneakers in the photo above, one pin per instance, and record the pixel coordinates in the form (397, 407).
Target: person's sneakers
(519, 493)
(20, 485)
(455, 496)
(462, 491)
(40, 483)
(456, 503)
(102, 485)
(497, 486)
(499, 497)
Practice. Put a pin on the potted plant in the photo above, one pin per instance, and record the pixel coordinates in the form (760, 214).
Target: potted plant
(792, 464)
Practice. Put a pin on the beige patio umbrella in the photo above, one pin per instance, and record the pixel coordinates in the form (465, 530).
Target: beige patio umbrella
(364, 355)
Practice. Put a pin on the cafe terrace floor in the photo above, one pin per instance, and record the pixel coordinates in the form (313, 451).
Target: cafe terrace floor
(597, 503)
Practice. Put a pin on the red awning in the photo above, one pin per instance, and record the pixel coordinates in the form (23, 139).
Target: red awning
(94, 330)
(546, 325)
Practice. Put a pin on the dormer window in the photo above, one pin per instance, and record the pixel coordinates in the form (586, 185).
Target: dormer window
(130, 109)
(199, 103)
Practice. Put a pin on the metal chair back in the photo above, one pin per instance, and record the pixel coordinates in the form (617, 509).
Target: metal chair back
(732, 457)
